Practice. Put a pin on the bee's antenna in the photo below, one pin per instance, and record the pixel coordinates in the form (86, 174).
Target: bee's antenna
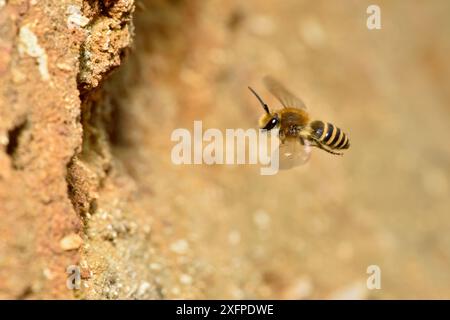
(266, 108)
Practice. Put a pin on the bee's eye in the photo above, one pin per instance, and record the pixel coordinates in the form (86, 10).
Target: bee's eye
(271, 124)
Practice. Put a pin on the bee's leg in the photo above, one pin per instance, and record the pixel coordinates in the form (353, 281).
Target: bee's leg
(333, 152)
(320, 146)
(282, 137)
(302, 141)
(306, 138)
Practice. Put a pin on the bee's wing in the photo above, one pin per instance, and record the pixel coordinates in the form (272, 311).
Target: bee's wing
(293, 152)
(286, 98)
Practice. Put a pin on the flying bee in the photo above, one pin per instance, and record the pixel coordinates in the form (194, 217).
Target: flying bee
(297, 133)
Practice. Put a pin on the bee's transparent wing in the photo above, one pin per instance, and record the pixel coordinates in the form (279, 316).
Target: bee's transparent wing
(286, 98)
(293, 152)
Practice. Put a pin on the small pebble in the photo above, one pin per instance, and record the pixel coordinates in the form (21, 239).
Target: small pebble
(155, 266)
(48, 274)
(175, 291)
(185, 279)
(4, 140)
(75, 18)
(71, 242)
(180, 246)
(64, 66)
(143, 288)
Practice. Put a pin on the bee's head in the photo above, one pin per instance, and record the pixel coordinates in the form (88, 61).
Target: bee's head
(269, 120)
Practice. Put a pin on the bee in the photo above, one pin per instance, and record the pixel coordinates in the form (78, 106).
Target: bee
(297, 132)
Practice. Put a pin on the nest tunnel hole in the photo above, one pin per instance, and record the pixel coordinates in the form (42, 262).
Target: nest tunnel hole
(14, 136)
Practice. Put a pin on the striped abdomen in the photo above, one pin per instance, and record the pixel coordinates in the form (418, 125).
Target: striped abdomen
(329, 135)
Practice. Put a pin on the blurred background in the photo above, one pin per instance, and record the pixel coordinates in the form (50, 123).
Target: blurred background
(310, 232)
(86, 177)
